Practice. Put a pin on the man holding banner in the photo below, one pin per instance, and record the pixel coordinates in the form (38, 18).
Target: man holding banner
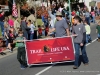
(61, 28)
(79, 33)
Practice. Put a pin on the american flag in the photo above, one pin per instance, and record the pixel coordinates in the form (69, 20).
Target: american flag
(14, 9)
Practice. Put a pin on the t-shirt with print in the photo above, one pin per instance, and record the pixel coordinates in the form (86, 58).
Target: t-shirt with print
(87, 14)
(20, 44)
(60, 28)
(79, 30)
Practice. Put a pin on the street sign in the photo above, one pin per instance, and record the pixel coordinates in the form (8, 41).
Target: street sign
(93, 3)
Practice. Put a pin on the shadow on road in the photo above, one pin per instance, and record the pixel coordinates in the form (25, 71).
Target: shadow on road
(44, 65)
(59, 64)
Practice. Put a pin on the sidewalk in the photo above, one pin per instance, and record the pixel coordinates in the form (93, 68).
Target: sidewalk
(7, 51)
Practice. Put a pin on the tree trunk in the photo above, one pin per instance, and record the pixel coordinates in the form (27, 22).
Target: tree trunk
(35, 14)
(18, 10)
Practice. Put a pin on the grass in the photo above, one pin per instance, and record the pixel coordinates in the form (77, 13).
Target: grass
(39, 22)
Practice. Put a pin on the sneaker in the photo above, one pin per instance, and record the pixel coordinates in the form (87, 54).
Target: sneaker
(2, 53)
(22, 67)
(75, 67)
(11, 51)
(98, 40)
(86, 64)
(90, 41)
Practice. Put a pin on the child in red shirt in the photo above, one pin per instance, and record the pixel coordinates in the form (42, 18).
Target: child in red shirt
(39, 31)
(10, 39)
(46, 30)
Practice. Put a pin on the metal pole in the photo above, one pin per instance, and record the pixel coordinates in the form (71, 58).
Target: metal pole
(47, 3)
(70, 12)
(35, 14)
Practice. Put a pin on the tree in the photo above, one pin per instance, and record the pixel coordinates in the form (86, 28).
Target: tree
(72, 1)
(2, 2)
(19, 4)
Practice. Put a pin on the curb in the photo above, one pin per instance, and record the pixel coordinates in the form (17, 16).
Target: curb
(7, 51)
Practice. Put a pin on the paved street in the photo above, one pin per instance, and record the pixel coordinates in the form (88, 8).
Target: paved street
(10, 66)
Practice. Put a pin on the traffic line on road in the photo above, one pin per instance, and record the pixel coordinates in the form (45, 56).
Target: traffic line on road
(91, 42)
(56, 63)
(45, 69)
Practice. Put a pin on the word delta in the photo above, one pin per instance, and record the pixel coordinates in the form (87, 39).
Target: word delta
(56, 49)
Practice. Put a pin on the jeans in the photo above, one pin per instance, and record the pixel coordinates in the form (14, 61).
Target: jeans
(88, 38)
(88, 20)
(31, 36)
(2, 27)
(99, 35)
(21, 56)
(7, 43)
(26, 35)
(43, 32)
(77, 54)
(93, 19)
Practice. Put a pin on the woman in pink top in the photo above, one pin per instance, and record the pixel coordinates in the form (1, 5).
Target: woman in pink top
(93, 16)
(11, 22)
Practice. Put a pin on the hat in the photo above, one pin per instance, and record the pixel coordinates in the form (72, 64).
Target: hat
(58, 13)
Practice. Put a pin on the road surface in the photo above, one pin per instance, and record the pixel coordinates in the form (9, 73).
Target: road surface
(10, 66)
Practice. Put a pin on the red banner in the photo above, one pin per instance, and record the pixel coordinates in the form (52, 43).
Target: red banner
(51, 50)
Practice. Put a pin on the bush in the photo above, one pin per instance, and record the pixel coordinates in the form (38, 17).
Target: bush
(41, 11)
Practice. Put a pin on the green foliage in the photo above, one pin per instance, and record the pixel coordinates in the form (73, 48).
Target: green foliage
(20, 1)
(3, 2)
(72, 1)
(67, 8)
(39, 22)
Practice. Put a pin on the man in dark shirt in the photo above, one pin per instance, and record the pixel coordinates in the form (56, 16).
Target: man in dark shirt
(2, 22)
(24, 27)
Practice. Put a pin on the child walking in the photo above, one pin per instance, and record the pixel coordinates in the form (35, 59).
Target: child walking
(88, 31)
(11, 37)
(79, 42)
(21, 54)
(98, 31)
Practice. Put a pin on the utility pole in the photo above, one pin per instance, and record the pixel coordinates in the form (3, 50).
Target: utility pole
(47, 3)
(70, 11)
(35, 14)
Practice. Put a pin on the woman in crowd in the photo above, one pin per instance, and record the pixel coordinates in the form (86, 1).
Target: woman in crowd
(93, 16)
(87, 16)
(6, 30)
(16, 26)
(11, 21)
(31, 31)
